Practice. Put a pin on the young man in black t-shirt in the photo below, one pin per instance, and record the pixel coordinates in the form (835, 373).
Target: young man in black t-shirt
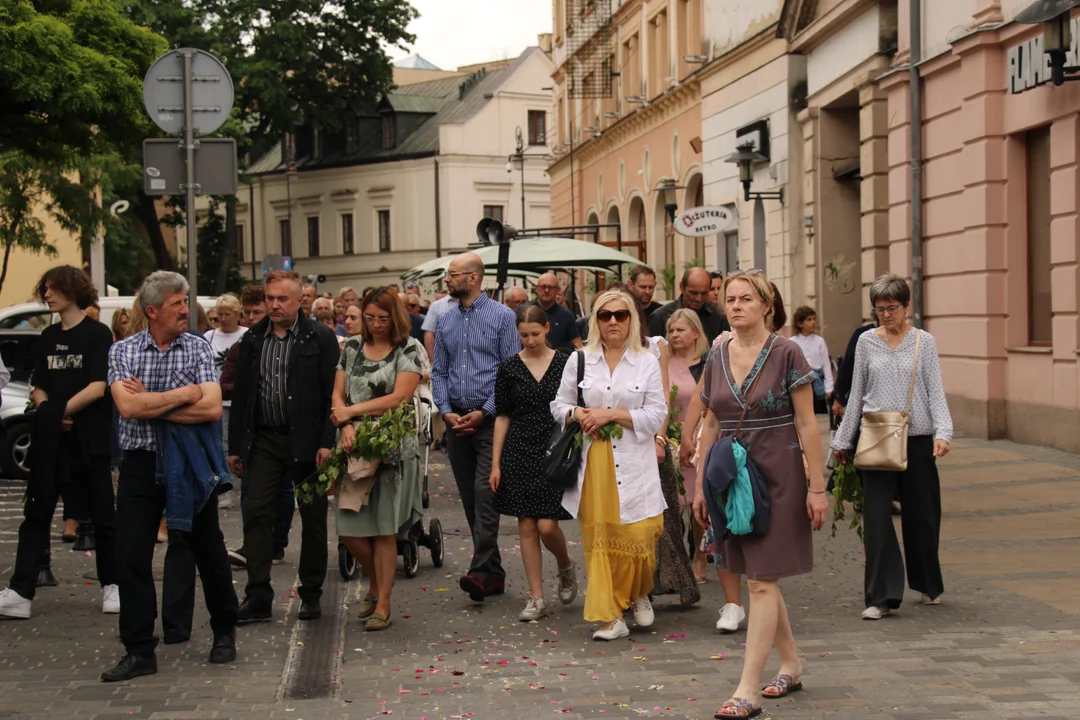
(70, 436)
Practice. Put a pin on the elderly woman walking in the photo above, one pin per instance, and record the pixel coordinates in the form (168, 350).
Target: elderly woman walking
(896, 369)
(765, 379)
(618, 500)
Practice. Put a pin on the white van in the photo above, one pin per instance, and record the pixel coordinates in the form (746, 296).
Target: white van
(36, 316)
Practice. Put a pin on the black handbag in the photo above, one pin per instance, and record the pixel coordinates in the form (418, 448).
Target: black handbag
(563, 456)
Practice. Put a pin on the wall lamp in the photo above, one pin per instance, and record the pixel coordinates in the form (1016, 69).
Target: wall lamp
(745, 157)
(671, 197)
(1056, 18)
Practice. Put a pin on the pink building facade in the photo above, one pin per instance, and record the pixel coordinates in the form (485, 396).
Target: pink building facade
(1001, 219)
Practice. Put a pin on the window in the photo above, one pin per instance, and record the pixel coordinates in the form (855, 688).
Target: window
(351, 130)
(1040, 309)
(631, 71)
(384, 231)
(731, 251)
(347, 234)
(239, 249)
(286, 238)
(495, 212)
(389, 132)
(659, 64)
(313, 237)
(537, 127)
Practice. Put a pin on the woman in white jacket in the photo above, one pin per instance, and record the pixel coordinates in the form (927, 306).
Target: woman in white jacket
(618, 500)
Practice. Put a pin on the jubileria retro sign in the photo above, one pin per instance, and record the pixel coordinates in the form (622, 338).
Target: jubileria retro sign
(705, 221)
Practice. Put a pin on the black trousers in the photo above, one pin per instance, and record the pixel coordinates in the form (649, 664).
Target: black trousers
(269, 465)
(470, 459)
(91, 481)
(919, 490)
(140, 502)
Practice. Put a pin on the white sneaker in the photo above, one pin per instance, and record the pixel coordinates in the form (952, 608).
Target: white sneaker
(13, 605)
(535, 609)
(927, 600)
(612, 631)
(110, 599)
(568, 584)
(875, 612)
(643, 612)
(731, 617)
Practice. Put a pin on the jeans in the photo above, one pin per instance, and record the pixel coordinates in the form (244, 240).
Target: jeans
(270, 466)
(140, 502)
(93, 483)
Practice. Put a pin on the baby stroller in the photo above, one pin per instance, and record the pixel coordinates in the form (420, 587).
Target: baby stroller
(409, 548)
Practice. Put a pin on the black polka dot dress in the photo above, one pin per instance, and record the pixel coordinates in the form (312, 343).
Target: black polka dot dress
(522, 492)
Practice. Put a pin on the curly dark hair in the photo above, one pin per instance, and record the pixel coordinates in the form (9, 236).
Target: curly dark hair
(69, 281)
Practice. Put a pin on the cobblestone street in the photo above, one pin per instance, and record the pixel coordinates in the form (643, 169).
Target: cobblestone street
(1005, 643)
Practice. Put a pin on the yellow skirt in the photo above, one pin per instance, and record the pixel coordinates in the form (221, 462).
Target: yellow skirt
(620, 559)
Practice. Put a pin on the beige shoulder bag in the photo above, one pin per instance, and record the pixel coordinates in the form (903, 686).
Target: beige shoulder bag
(883, 441)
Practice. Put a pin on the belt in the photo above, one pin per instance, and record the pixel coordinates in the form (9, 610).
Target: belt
(458, 410)
(273, 429)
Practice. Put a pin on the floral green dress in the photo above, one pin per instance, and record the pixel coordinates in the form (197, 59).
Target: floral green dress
(395, 503)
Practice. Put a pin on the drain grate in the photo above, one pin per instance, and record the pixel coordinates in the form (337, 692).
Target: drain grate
(312, 667)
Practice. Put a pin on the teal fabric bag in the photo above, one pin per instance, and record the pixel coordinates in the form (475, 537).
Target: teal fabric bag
(740, 499)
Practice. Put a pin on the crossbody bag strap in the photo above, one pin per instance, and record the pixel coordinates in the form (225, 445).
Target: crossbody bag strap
(750, 392)
(580, 377)
(914, 372)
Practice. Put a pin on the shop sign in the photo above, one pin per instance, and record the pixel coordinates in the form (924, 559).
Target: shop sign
(705, 221)
(1029, 66)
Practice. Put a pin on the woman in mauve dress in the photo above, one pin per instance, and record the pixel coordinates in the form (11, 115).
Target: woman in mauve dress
(769, 376)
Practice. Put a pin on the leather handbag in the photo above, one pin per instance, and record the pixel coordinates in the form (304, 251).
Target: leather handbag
(562, 459)
(883, 439)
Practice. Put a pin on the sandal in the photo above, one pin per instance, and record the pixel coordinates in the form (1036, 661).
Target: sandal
(739, 709)
(377, 622)
(367, 606)
(785, 684)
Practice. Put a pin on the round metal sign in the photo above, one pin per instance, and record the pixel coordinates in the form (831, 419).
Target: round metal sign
(211, 92)
(705, 221)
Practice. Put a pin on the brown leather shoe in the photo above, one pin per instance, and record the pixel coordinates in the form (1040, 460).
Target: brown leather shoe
(377, 622)
(475, 586)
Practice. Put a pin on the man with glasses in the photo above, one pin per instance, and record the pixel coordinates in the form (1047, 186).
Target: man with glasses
(280, 429)
(563, 333)
(472, 340)
(695, 287)
(515, 298)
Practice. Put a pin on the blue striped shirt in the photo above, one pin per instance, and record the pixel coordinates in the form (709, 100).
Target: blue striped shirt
(189, 360)
(470, 344)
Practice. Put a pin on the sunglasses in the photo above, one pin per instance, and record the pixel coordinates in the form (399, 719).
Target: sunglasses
(751, 271)
(619, 315)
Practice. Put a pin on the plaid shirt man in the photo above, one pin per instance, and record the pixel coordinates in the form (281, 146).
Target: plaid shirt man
(189, 360)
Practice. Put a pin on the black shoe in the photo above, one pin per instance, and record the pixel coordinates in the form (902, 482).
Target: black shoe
(132, 666)
(224, 649)
(45, 578)
(254, 611)
(279, 556)
(310, 610)
(238, 558)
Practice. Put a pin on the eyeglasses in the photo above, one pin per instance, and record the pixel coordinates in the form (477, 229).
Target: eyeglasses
(619, 315)
(547, 287)
(372, 320)
(455, 274)
(886, 310)
(751, 271)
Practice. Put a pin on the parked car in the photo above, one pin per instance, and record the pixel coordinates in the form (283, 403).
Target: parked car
(15, 419)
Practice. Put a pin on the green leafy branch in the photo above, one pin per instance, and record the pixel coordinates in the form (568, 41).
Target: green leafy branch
(674, 435)
(377, 438)
(847, 487)
(611, 431)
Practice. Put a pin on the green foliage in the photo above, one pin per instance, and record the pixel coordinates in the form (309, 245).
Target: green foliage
(698, 262)
(674, 436)
(376, 438)
(611, 431)
(847, 487)
(210, 250)
(668, 279)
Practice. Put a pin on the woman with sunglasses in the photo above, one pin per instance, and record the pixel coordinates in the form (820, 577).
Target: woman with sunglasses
(886, 360)
(618, 500)
(379, 369)
(765, 378)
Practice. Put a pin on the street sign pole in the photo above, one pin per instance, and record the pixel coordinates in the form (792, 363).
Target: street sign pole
(190, 225)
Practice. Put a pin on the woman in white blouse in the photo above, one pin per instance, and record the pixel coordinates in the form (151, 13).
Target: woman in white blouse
(814, 349)
(618, 500)
(884, 359)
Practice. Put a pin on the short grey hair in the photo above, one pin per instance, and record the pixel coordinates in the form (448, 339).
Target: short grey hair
(890, 287)
(159, 285)
(320, 302)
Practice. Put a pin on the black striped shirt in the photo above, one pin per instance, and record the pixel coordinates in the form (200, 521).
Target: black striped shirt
(273, 407)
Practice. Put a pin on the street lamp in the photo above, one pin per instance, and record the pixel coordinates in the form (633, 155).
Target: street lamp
(670, 189)
(745, 157)
(1056, 18)
(520, 157)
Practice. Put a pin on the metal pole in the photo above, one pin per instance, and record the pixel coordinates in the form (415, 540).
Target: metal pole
(915, 91)
(189, 149)
(251, 212)
(521, 159)
(288, 201)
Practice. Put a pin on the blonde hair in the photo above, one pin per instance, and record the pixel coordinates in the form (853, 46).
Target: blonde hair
(137, 320)
(228, 303)
(633, 338)
(762, 288)
(701, 345)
